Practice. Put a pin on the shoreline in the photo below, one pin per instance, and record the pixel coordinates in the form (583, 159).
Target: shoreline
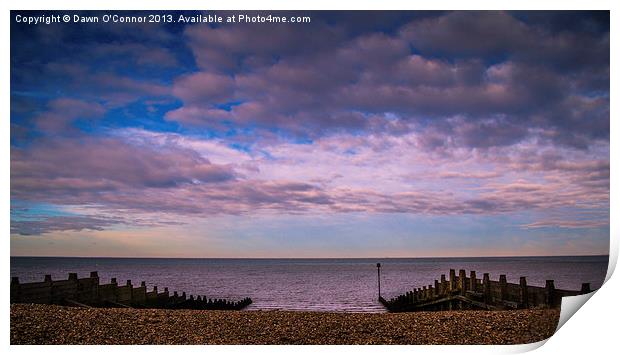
(49, 324)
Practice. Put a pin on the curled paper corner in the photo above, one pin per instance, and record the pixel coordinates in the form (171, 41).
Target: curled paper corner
(570, 306)
(524, 348)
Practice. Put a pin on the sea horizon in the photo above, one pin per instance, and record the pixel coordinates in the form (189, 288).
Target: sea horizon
(318, 257)
(311, 284)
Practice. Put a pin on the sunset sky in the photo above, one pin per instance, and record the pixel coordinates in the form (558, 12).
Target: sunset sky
(359, 134)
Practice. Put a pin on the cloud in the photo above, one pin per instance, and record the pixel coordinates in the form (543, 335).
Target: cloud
(118, 90)
(496, 34)
(74, 165)
(136, 172)
(567, 224)
(504, 79)
(459, 113)
(92, 84)
(468, 175)
(140, 53)
(62, 112)
(52, 224)
(244, 46)
(491, 133)
(204, 88)
(467, 33)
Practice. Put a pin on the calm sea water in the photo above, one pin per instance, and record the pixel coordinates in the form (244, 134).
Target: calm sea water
(347, 285)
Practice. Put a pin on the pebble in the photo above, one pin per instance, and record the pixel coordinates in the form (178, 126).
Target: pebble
(49, 324)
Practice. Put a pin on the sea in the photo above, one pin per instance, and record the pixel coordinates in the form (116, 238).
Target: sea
(335, 285)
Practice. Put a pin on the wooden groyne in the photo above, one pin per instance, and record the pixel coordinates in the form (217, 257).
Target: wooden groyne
(88, 292)
(462, 292)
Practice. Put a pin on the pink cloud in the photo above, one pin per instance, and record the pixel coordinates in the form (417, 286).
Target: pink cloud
(204, 89)
(106, 164)
(62, 112)
(567, 224)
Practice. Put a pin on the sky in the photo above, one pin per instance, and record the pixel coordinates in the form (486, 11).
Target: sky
(359, 134)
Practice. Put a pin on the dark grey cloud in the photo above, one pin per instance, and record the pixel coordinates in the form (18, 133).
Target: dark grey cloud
(507, 78)
(497, 35)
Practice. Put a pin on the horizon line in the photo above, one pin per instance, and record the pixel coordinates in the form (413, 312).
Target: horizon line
(305, 258)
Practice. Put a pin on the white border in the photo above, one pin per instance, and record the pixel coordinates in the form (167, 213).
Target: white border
(593, 330)
(316, 5)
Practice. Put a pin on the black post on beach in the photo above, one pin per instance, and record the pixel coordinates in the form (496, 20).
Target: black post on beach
(379, 278)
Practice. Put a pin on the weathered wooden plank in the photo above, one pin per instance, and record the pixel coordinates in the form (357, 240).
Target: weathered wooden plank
(469, 292)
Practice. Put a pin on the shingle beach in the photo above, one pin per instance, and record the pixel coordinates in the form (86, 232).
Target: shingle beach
(47, 324)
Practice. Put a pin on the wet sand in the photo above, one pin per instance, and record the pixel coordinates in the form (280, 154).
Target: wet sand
(46, 324)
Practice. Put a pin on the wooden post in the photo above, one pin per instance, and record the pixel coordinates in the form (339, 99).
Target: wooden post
(503, 287)
(462, 283)
(486, 287)
(424, 294)
(379, 278)
(130, 288)
(443, 285)
(550, 289)
(74, 291)
(585, 288)
(113, 282)
(472, 280)
(523, 299)
(452, 280)
(94, 291)
(15, 290)
(437, 292)
(50, 293)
